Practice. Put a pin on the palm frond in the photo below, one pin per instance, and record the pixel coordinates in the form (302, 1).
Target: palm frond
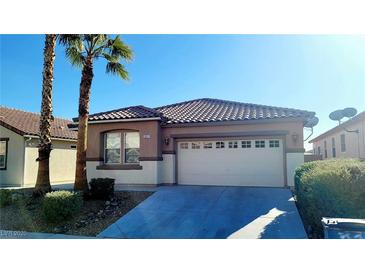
(118, 49)
(96, 43)
(117, 69)
(75, 56)
(89, 40)
(90, 37)
(99, 51)
(71, 40)
(82, 46)
(110, 58)
(101, 39)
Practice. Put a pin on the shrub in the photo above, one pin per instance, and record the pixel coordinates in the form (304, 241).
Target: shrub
(331, 188)
(102, 188)
(5, 197)
(61, 205)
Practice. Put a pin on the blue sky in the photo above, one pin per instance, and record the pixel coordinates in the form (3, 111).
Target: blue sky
(317, 73)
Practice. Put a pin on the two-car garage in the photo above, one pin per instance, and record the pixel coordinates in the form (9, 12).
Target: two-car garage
(236, 162)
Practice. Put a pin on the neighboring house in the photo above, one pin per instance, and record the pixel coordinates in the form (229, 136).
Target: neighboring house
(19, 140)
(310, 156)
(339, 143)
(198, 142)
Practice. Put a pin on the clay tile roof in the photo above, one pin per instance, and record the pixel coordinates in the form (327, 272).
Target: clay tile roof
(202, 110)
(215, 110)
(133, 112)
(27, 123)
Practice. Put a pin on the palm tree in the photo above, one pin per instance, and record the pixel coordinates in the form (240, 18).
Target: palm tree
(43, 184)
(82, 50)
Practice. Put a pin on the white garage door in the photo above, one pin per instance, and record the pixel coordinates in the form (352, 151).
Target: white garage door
(256, 162)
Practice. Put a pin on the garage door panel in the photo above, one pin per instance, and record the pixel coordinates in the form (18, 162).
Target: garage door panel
(219, 180)
(231, 166)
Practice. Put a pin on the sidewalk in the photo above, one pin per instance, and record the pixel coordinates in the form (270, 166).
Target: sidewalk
(70, 185)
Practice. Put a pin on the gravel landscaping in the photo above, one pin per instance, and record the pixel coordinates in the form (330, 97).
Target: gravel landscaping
(25, 213)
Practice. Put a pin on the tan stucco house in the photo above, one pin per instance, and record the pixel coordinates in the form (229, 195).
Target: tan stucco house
(346, 140)
(198, 142)
(19, 140)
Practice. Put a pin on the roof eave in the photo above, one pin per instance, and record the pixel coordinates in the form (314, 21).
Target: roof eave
(238, 122)
(52, 138)
(106, 121)
(9, 127)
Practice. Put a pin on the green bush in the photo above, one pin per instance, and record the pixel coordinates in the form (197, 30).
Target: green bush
(61, 205)
(331, 188)
(5, 197)
(102, 188)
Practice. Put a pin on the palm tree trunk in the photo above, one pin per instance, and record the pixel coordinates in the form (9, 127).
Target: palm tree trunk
(84, 101)
(43, 184)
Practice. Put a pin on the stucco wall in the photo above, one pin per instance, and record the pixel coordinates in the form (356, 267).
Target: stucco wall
(150, 144)
(167, 169)
(355, 143)
(293, 160)
(62, 161)
(154, 145)
(13, 175)
(148, 175)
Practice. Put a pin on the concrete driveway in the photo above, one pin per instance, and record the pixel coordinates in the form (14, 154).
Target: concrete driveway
(181, 212)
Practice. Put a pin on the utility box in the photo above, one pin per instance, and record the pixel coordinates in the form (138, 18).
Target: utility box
(341, 228)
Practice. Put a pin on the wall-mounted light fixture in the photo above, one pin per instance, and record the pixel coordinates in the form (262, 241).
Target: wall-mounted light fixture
(166, 141)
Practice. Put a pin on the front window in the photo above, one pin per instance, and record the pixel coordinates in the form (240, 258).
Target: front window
(3, 156)
(343, 143)
(131, 147)
(325, 149)
(333, 148)
(113, 148)
(116, 153)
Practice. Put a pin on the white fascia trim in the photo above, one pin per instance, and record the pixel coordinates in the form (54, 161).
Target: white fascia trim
(122, 120)
(52, 138)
